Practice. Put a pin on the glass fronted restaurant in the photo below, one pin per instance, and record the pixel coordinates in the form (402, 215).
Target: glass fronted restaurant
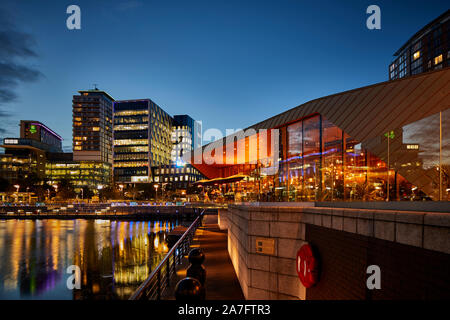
(386, 142)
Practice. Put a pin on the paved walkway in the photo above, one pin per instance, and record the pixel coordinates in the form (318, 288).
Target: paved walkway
(221, 280)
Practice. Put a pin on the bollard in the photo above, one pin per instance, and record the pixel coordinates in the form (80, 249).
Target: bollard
(196, 270)
(189, 289)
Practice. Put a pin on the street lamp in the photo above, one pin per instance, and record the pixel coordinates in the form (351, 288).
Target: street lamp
(121, 186)
(99, 187)
(156, 192)
(17, 191)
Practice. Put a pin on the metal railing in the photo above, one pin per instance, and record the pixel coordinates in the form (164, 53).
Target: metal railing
(153, 287)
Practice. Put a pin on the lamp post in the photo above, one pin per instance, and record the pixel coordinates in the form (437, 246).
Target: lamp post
(156, 191)
(17, 192)
(99, 187)
(121, 189)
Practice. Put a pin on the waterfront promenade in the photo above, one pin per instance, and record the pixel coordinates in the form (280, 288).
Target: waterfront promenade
(221, 280)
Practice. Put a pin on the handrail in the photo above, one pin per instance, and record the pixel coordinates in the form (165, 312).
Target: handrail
(147, 289)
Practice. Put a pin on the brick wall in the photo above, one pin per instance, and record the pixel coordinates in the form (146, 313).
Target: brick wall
(411, 248)
(407, 272)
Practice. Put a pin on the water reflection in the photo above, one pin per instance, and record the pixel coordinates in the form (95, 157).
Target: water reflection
(115, 257)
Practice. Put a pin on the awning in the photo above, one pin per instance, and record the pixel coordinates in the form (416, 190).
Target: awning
(231, 179)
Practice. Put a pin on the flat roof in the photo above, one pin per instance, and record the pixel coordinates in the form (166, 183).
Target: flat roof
(96, 91)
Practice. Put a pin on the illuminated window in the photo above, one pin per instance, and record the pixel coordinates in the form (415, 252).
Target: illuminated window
(95, 128)
(416, 55)
(125, 142)
(131, 127)
(77, 148)
(130, 112)
(438, 59)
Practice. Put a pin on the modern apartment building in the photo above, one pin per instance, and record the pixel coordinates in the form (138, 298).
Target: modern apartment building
(141, 139)
(92, 126)
(92, 140)
(426, 50)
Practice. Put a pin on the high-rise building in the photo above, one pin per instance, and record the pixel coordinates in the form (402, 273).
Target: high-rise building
(141, 139)
(92, 140)
(426, 50)
(186, 136)
(92, 126)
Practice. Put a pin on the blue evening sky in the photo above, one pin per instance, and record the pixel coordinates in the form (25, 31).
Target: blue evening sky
(228, 63)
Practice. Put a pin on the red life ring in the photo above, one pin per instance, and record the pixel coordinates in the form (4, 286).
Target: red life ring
(307, 266)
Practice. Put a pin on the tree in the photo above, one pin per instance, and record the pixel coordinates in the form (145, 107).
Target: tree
(65, 189)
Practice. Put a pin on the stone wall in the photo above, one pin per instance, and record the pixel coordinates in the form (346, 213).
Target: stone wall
(416, 236)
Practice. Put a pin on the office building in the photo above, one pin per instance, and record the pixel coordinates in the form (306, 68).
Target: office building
(93, 175)
(186, 136)
(141, 139)
(28, 154)
(425, 51)
(178, 177)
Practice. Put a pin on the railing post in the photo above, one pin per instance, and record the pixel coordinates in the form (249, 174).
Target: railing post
(158, 292)
(174, 264)
(168, 272)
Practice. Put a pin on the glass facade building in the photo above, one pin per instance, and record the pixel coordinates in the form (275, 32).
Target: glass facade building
(28, 154)
(385, 142)
(427, 50)
(178, 177)
(186, 136)
(141, 139)
(90, 174)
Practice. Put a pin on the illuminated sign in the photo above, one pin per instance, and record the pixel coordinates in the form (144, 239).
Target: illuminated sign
(412, 146)
(11, 141)
(33, 128)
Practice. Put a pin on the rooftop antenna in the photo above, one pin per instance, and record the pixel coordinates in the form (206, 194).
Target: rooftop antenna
(95, 86)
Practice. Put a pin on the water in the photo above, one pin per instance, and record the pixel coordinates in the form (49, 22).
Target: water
(115, 257)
